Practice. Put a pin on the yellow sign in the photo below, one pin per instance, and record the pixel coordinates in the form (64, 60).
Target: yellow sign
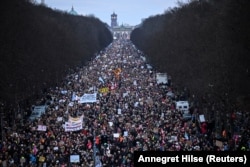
(41, 159)
(104, 90)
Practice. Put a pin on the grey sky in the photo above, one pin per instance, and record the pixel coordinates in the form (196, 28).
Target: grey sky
(128, 11)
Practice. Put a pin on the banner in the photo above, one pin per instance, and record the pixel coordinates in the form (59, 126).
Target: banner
(202, 118)
(73, 124)
(59, 119)
(75, 97)
(41, 159)
(125, 94)
(104, 90)
(64, 92)
(161, 78)
(42, 128)
(70, 127)
(88, 98)
(74, 158)
(75, 120)
(101, 80)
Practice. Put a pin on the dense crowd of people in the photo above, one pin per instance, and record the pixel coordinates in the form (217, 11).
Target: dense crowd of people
(132, 113)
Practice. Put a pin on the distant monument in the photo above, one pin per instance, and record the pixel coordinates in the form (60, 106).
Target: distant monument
(122, 31)
(72, 11)
(114, 20)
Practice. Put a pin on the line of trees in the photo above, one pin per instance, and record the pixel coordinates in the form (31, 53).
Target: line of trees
(39, 45)
(204, 44)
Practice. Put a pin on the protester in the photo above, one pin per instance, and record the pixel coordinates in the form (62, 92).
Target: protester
(131, 113)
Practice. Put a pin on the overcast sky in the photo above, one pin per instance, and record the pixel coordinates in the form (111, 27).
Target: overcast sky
(128, 11)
